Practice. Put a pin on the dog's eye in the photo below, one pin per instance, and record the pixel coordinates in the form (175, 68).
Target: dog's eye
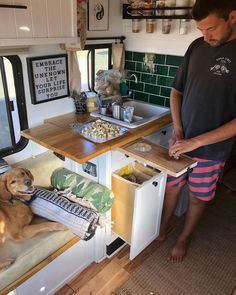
(13, 181)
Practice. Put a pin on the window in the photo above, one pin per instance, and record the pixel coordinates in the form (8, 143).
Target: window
(13, 117)
(92, 59)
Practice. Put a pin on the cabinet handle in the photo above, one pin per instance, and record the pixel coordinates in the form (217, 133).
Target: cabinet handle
(155, 183)
(189, 170)
(13, 6)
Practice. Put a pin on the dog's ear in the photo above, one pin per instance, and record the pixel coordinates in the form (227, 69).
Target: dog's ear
(29, 174)
(4, 193)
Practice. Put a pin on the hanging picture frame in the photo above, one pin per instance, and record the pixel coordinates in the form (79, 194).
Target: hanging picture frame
(98, 15)
(48, 77)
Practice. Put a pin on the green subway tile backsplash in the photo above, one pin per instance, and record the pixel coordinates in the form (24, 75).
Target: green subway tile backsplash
(155, 73)
(173, 60)
(157, 100)
(147, 78)
(152, 89)
(141, 96)
(137, 56)
(128, 55)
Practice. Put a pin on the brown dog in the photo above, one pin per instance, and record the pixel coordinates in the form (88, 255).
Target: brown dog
(16, 188)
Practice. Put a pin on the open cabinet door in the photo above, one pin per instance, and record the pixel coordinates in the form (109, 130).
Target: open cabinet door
(148, 204)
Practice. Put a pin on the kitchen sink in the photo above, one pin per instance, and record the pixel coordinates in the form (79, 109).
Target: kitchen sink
(143, 113)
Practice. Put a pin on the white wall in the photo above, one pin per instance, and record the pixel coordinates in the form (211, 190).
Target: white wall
(172, 43)
(37, 113)
(156, 42)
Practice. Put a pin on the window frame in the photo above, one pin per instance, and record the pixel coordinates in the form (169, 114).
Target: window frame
(91, 48)
(20, 101)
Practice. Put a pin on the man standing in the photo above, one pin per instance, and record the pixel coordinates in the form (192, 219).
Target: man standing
(203, 107)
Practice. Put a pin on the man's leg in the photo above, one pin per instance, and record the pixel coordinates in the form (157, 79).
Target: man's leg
(202, 185)
(195, 209)
(170, 203)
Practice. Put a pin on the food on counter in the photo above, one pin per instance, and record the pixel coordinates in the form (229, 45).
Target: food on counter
(101, 129)
(175, 157)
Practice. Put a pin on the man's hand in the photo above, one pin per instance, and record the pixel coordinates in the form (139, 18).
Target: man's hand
(182, 146)
(176, 135)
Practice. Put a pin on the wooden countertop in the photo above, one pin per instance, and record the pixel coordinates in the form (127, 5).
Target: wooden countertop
(56, 135)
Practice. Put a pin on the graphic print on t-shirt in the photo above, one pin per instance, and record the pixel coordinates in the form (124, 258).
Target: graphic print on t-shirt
(221, 66)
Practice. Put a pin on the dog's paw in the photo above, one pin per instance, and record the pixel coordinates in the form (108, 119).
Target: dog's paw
(6, 263)
(59, 226)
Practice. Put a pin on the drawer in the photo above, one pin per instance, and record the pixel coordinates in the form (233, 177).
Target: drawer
(119, 159)
(137, 208)
(161, 136)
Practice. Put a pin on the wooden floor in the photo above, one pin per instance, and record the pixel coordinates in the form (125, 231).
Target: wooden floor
(105, 277)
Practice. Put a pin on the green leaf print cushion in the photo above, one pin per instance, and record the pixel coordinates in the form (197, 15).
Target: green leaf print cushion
(100, 196)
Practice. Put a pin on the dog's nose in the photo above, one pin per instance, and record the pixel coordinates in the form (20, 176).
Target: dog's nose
(28, 182)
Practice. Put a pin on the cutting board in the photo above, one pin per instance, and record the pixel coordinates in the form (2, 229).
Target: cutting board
(157, 157)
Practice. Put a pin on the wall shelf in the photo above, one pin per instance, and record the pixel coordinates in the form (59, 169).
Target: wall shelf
(150, 13)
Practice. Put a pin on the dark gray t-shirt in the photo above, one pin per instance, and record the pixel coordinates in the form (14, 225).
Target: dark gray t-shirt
(207, 79)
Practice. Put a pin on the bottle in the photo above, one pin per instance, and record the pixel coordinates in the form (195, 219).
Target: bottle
(166, 26)
(160, 4)
(180, 3)
(183, 26)
(135, 25)
(149, 26)
(169, 3)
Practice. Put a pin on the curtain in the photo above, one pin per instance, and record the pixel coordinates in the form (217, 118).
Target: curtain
(74, 71)
(118, 56)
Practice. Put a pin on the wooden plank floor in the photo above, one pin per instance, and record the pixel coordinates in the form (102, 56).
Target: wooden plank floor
(105, 277)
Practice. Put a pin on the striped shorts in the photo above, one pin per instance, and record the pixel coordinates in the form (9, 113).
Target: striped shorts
(201, 180)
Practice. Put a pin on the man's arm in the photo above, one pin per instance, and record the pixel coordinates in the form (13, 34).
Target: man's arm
(175, 107)
(221, 133)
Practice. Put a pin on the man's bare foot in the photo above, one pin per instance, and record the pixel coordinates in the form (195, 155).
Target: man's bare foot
(179, 251)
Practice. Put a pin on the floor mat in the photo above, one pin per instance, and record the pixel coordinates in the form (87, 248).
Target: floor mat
(210, 265)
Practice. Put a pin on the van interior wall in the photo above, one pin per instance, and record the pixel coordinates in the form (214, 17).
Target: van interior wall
(39, 112)
(173, 44)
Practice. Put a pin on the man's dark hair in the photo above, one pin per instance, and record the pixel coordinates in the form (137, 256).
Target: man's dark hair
(221, 8)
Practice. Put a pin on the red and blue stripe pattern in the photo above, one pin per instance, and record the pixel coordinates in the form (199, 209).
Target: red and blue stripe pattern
(201, 181)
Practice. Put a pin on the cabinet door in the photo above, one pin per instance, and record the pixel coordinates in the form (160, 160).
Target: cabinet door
(61, 15)
(54, 18)
(7, 25)
(68, 18)
(148, 204)
(39, 18)
(23, 20)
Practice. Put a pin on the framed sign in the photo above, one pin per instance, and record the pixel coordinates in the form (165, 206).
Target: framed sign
(48, 77)
(98, 15)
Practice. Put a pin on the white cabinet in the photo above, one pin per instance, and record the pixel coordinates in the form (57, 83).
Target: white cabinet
(137, 208)
(41, 22)
(161, 136)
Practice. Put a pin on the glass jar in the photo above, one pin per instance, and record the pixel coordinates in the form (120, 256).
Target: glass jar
(166, 26)
(135, 25)
(148, 8)
(183, 26)
(160, 4)
(180, 3)
(149, 26)
(170, 3)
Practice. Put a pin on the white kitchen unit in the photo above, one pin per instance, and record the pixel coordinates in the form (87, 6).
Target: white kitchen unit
(38, 22)
(137, 208)
(62, 269)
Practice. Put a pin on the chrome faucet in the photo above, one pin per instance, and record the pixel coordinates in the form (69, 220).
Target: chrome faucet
(135, 78)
